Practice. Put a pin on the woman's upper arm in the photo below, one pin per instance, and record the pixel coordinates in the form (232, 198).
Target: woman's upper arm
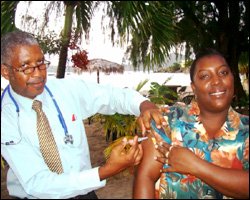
(148, 172)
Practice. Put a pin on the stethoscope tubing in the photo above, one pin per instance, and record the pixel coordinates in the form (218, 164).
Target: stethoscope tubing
(60, 116)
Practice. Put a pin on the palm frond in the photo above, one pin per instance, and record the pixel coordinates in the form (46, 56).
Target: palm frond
(141, 84)
(109, 149)
(8, 10)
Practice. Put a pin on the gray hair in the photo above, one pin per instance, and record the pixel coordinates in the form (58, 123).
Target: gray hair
(10, 40)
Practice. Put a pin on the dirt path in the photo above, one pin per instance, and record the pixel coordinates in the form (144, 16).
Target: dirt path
(117, 187)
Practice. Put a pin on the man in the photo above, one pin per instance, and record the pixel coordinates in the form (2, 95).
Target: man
(32, 107)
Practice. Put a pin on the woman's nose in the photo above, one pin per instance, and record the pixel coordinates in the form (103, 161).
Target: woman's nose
(215, 80)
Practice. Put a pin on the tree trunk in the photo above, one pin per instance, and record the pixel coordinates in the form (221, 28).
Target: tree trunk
(66, 35)
(228, 40)
(98, 75)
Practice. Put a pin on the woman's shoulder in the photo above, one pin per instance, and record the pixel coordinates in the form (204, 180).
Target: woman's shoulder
(182, 110)
(235, 116)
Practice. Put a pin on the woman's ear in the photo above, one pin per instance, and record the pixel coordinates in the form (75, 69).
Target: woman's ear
(193, 87)
(5, 71)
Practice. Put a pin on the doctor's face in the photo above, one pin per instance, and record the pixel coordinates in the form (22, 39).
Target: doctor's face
(26, 70)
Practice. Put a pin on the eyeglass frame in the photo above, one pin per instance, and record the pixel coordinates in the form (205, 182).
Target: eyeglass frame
(46, 63)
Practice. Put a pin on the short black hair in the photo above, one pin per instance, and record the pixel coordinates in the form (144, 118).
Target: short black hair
(203, 53)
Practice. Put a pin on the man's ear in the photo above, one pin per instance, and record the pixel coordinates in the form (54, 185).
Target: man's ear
(5, 71)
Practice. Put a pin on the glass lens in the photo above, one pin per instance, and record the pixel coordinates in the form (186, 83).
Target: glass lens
(30, 70)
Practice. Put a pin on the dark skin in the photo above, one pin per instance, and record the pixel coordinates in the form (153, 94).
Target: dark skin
(213, 85)
(31, 85)
(147, 173)
(26, 85)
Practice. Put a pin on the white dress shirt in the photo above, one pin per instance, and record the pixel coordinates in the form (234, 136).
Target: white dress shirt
(28, 175)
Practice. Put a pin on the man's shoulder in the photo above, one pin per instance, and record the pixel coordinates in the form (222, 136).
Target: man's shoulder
(66, 85)
(64, 82)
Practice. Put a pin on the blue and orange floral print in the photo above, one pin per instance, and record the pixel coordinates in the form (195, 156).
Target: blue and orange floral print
(229, 149)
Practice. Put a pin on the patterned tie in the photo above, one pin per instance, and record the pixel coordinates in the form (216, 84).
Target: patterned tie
(46, 140)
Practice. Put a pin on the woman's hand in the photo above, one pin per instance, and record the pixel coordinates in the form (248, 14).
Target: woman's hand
(122, 157)
(179, 159)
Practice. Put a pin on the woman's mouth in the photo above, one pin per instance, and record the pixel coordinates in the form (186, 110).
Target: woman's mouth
(217, 93)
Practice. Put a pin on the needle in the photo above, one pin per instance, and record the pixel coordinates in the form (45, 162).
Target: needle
(140, 139)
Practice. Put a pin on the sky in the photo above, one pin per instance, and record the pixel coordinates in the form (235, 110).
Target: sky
(98, 46)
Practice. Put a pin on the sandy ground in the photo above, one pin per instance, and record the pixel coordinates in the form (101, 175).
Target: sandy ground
(117, 187)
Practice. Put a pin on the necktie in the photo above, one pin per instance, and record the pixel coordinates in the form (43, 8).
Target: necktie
(46, 140)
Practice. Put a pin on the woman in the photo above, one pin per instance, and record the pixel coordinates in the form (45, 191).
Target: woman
(209, 152)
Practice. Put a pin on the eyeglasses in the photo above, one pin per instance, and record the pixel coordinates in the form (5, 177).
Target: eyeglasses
(26, 69)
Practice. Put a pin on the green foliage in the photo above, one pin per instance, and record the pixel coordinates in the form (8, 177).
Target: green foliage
(151, 26)
(2, 163)
(173, 68)
(244, 63)
(8, 10)
(118, 125)
(243, 102)
(108, 150)
(241, 105)
(141, 84)
(188, 63)
(162, 94)
(50, 43)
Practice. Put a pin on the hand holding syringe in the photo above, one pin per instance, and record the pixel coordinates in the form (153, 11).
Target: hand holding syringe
(129, 142)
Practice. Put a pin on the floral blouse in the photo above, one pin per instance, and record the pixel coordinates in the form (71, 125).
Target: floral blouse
(230, 149)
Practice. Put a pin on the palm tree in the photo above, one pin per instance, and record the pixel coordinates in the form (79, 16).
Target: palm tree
(157, 26)
(8, 10)
(223, 25)
(152, 28)
(148, 25)
(83, 11)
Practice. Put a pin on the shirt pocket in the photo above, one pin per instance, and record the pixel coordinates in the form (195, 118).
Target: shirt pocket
(75, 130)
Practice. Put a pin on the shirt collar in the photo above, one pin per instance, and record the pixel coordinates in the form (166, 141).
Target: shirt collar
(25, 103)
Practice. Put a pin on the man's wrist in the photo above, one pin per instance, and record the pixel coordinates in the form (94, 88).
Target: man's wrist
(106, 171)
(103, 172)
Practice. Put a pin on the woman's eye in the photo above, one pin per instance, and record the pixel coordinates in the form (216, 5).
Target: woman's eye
(224, 73)
(203, 76)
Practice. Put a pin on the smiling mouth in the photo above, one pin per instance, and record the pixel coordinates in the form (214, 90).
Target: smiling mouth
(217, 93)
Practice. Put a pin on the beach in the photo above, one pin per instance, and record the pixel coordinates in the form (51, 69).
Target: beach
(129, 79)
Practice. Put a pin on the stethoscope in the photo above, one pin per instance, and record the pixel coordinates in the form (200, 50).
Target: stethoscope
(67, 139)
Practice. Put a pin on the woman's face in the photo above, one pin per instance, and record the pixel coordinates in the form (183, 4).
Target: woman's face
(213, 84)
(27, 85)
